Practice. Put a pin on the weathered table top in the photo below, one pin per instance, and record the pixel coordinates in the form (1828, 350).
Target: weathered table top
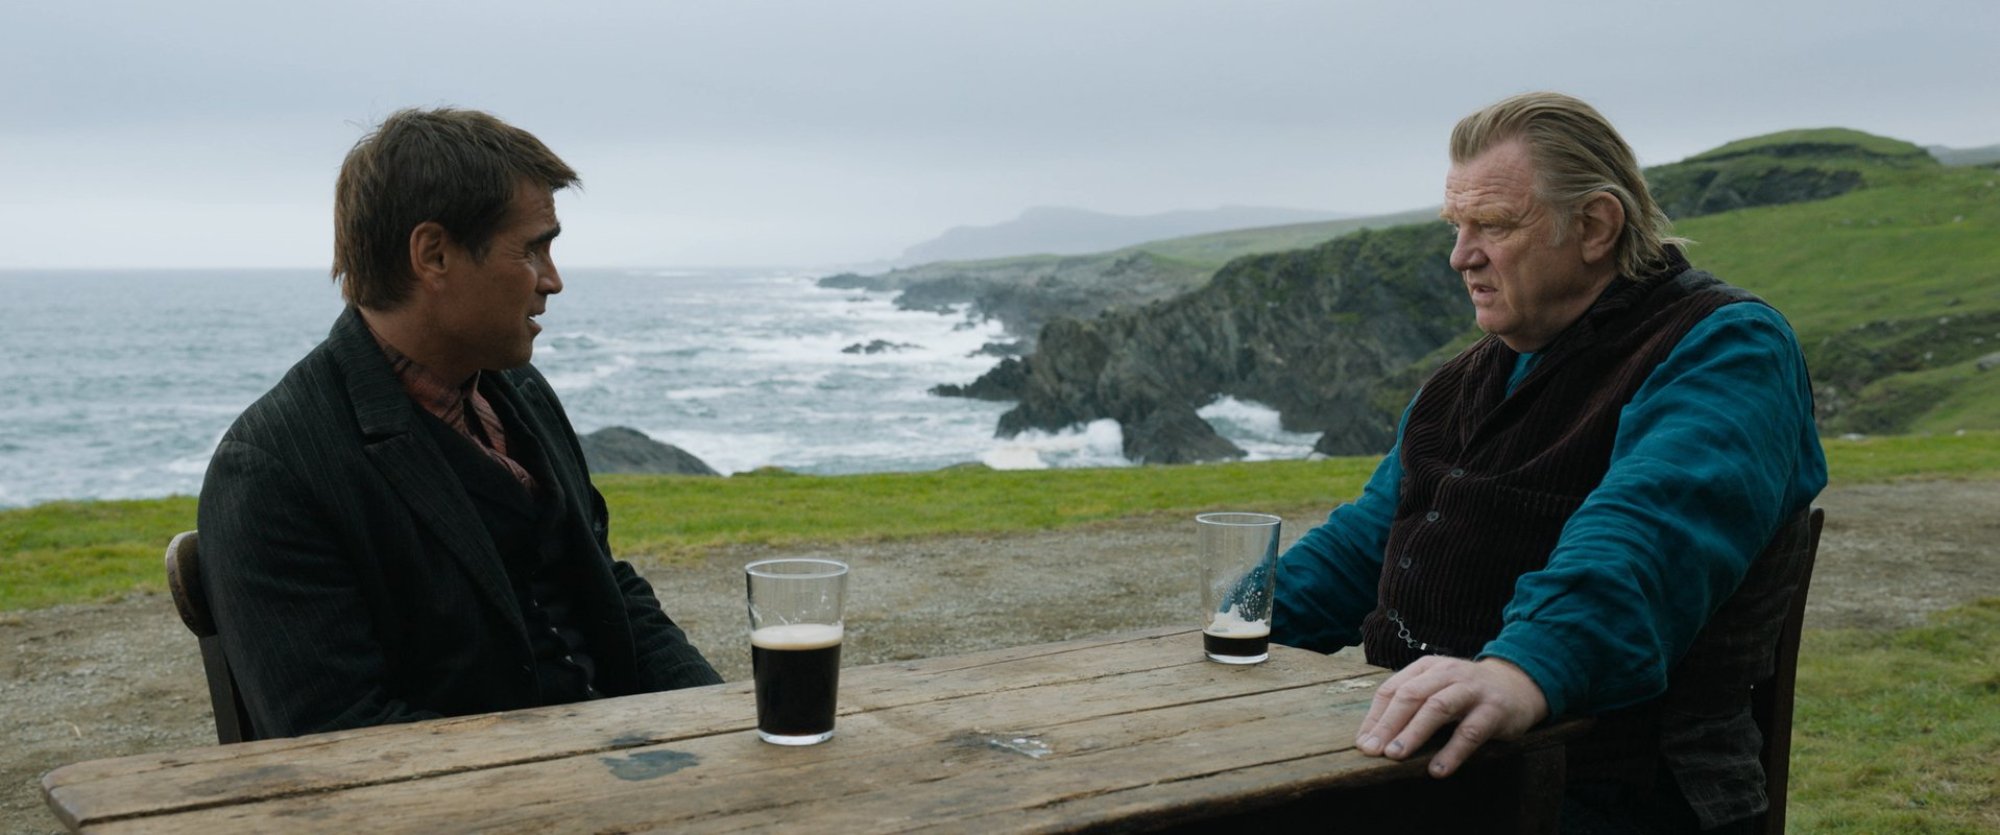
(1128, 731)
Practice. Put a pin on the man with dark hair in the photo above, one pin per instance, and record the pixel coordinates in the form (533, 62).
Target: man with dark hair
(1572, 499)
(404, 527)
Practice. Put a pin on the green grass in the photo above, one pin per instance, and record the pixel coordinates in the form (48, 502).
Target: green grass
(1891, 252)
(1897, 732)
(678, 516)
(1893, 289)
(67, 552)
(1905, 457)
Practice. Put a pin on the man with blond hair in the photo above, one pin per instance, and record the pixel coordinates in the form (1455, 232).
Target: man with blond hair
(404, 527)
(1575, 497)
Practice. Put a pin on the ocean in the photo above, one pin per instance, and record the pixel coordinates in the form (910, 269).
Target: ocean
(119, 384)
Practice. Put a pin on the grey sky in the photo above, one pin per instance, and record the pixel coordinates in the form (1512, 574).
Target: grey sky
(207, 132)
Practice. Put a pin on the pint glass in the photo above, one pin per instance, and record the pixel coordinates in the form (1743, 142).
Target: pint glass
(795, 632)
(1239, 560)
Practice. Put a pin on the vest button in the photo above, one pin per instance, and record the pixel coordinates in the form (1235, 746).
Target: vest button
(1404, 563)
(1458, 472)
(1431, 516)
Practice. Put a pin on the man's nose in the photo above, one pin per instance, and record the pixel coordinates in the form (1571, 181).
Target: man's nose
(551, 281)
(1465, 254)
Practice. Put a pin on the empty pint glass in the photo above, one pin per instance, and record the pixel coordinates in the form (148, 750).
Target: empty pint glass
(795, 631)
(1239, 561)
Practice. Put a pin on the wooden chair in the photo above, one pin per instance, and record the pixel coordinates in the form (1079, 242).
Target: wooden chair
(1771, 700)
(232, 719)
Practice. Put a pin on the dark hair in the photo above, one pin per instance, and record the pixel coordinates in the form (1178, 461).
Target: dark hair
(457, 167)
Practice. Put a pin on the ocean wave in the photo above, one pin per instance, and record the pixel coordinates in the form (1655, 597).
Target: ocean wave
(1099, 443)
(565, 382)
(1256, 428)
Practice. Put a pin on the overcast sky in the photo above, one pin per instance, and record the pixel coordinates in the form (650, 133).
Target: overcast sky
(137, 133)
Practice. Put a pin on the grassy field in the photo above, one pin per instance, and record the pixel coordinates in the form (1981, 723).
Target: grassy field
(67, 552)
(1896, 732)
(1923, 248)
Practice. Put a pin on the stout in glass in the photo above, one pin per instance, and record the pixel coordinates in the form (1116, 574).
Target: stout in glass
(795, 632)
(1232, 640)
(797, 669)
(1239, 561)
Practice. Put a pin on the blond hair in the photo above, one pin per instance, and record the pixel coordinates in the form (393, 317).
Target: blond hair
(1576, 154)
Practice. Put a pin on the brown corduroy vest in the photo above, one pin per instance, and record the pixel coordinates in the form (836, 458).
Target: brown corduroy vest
(1490, 478)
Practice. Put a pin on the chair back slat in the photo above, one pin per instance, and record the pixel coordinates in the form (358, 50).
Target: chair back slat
(1771, 700)
(232, 717)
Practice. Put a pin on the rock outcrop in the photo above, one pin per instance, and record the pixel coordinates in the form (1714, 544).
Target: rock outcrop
(1174, 434)
(878, 346)
(1005, 381)
(617, 449)
(1307, 332)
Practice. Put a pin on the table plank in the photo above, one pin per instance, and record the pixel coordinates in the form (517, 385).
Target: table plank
(912, 767)
(936, 708)
(158, 783)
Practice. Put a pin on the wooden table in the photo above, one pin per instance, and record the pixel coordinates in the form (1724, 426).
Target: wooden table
(1125, 732)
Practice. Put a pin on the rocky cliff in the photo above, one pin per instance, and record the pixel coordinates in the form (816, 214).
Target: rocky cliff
(1307, 332)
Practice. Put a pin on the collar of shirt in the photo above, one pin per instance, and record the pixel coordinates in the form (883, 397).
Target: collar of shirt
(449, 401)
(444, 399)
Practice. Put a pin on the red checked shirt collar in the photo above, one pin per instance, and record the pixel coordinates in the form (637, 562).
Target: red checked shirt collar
(449, 401)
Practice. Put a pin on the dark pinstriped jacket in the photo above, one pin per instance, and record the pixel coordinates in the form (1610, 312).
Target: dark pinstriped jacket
(352, 579)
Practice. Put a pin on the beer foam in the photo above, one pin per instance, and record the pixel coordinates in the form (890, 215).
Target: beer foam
(1228, 624)
(797, 636)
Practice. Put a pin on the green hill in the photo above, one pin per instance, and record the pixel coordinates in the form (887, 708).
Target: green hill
(1894, 290)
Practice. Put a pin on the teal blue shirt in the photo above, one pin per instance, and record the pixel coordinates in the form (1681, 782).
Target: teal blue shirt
(1715, 449)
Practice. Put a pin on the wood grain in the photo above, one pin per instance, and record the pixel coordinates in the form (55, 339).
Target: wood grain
(1127, 731)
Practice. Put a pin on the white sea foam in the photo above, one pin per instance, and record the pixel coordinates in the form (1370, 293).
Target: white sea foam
(595, 374)
(1256, 428)
(1099, 443)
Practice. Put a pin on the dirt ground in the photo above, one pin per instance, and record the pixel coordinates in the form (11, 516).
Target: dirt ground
(92, 681)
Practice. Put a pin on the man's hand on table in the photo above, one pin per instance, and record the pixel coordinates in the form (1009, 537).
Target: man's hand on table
(1489, 699)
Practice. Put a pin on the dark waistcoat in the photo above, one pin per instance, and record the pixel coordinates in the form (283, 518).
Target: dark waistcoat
(1490, 478)
(524, 529)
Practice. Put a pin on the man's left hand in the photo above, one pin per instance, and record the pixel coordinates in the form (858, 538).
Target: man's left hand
(1489, 699)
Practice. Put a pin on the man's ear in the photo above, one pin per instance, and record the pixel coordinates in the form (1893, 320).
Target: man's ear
(1600, 220)
(431, 252)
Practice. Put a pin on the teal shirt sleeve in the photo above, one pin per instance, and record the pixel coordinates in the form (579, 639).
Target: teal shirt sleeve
(1327, 580)
(1714, 451)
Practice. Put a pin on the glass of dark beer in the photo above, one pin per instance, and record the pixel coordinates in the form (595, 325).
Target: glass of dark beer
(795, 631)
(1239, 561)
